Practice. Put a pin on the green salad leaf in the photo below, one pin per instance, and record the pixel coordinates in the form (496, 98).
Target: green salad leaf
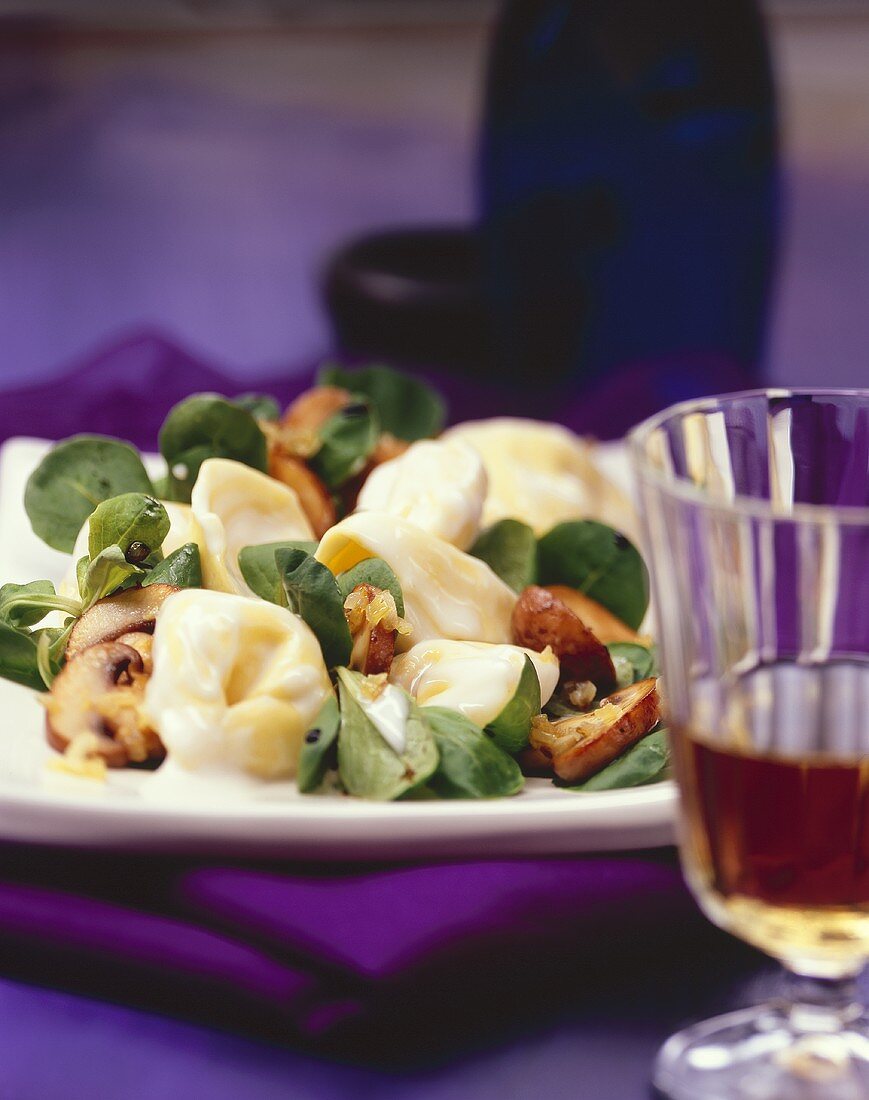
(183, 568)
(50, 646)
(81, 568)
(163, 487)
(406, 406)
(105, 573)
(259, 405)
(346, 440)
(125, 535)
(319, 749)
(313, 594)
(509, 548)
(205, 426)
(25, 605)
(632, 662)
(18, 657)
(372, 571)
(470, 764)
(73, 479)
(559, 706)
(600, 562)
(135, 522)
(260, 569)
(511, 728)
(645, 762)
(368, 764)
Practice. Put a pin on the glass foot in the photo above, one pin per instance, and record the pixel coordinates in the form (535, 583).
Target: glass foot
(769, 1052)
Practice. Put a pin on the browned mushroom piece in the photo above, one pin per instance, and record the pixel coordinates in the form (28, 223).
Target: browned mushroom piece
(374, 621)
(541, 619)
(296, 439)
(596, 617)
(579, 746)
(313, 495)
(132, 611)
(143, 644)
(388, 446)
(312, 409)
(534, 762)
(97, 696)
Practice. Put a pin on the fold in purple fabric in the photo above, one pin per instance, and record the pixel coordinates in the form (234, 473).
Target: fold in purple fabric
(385, 964)
(128, 387)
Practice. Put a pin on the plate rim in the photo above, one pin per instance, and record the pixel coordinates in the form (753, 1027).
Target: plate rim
(648, 796)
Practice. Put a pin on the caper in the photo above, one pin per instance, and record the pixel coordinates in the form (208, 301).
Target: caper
(137, 552)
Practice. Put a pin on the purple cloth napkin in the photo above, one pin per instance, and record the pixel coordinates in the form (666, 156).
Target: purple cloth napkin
(384, 965)
(390, 964)
(127, 388)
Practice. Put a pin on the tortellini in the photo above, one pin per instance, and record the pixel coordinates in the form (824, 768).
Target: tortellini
(477, 679)
(439, 485)
(235, 506)
(542, 474)
(236, 684)
(447, 594)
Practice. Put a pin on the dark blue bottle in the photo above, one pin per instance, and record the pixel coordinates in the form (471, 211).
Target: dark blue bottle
(629, 190)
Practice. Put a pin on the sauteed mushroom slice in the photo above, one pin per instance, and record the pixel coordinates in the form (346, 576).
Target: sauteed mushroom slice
(580, 746)
(374, 622)
(534, 762)
(388, 446)
(313, 495)
(596, 617)
(313, 408)
(97, 696)
(132, 611)
(143, 644)
(541, 619)
(296, 438)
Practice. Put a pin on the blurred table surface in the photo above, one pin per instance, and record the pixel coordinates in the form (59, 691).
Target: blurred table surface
(132, 168)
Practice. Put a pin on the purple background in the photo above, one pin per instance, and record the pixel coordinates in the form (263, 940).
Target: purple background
(190, 184)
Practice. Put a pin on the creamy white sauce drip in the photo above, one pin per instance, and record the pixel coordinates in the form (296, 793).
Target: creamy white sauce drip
(389, 712)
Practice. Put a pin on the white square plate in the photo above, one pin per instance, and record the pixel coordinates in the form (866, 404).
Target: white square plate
(42, 806)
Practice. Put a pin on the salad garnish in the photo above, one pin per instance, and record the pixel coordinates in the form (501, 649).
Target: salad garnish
(330, 594)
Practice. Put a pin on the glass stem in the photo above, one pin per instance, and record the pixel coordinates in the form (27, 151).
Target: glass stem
(819, 1005)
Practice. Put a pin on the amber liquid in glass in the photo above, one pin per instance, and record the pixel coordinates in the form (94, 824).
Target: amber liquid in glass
(777, 849)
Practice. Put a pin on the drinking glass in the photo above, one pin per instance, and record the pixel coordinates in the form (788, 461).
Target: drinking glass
(756, 521)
